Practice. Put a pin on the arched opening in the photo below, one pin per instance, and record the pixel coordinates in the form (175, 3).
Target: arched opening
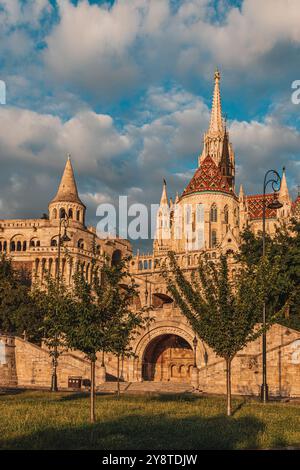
(168, 358)
(116, 257)
(213, 213)
(159, 299)
(80, 244)
(62, 213)
(70, 213)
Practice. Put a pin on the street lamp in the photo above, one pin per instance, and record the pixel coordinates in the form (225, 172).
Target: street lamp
(63, 223)
(195, 342)
(273, 178)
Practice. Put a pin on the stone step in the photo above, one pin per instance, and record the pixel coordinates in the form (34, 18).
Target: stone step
(146, 387)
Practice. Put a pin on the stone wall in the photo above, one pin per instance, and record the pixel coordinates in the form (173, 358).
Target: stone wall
(283, 367)
(24, 364)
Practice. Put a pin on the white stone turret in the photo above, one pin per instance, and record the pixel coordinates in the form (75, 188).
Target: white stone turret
(67, 200)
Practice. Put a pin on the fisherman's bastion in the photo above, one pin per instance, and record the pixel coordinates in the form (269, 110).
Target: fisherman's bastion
(167, 355)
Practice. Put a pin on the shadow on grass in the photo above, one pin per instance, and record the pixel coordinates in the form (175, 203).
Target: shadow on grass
(12, 391)
(147, 432)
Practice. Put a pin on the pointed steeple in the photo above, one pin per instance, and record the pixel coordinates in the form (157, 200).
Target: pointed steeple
(284, 192)
(67, 190)
(241, 193)
(164, 196)
(216, 122)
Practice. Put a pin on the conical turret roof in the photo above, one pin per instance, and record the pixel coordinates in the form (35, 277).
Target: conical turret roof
(67, 190)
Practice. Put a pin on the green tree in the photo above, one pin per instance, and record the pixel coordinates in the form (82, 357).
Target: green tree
(17, 311)
(222, 310)
(53, 301)
(285, 248)
(101, 312)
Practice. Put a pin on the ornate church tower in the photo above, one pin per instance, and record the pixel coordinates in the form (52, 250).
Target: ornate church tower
(67, 201)
(216, 140)
(163, 229)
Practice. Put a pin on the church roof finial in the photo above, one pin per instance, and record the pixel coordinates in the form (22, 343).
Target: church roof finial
(164, 197)
(216, 122)
(67, 190)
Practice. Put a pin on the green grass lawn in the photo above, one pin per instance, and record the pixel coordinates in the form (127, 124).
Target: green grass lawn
(40, 420)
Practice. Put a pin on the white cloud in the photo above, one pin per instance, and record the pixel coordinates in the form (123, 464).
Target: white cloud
(109, 51)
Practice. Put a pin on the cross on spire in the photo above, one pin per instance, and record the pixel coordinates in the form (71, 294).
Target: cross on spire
(216, 122)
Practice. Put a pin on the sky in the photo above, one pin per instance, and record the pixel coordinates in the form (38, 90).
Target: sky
(125, 87)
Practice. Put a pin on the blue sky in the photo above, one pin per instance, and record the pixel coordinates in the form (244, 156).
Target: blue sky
(125, 87)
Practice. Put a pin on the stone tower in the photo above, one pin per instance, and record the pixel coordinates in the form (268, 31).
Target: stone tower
(67, 200)
(216, 139)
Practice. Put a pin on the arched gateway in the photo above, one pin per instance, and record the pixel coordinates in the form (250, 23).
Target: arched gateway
(168, 358)
(165, 353)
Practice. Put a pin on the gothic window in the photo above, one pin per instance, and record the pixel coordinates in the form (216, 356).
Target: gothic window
(213, 238)
(188, 214)
(24, 246)
(226, 214)
(38, 243)
(32, 243)
(53, 242)
(78, 216)
(5, 246)
(200, 213)
(19, 246)
(54, 213)
(213, 213)
(70, 213)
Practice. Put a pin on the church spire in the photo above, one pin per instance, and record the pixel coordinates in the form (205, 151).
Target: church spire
(284, 192)
(67, 190)
(164, 196)
(216, 122)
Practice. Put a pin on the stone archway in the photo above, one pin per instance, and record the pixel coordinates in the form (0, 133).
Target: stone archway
(167, 358)
(154, 336)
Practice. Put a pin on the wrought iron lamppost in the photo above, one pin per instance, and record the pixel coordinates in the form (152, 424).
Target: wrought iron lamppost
(195, 342)
(63, 222)
(273, 178)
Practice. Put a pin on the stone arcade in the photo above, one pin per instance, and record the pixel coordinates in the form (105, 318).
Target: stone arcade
(166, 352)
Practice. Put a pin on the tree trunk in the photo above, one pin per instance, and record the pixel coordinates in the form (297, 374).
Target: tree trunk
(92, 408)
(118, 374)
(228, 385)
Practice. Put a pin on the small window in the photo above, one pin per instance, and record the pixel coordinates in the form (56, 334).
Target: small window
(19, 246)
(62, 213)
(70, 213)
(226, 214)
(213, 213)
(78, 216)
(213, 238)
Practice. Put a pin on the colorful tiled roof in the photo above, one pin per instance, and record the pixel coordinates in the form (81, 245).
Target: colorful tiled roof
(208, 178)
(296, 207)
(255, 206)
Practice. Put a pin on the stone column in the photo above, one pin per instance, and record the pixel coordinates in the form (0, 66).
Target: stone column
(8, 373)
(195, 377)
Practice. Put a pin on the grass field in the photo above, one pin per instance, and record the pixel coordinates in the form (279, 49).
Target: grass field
(40, 420)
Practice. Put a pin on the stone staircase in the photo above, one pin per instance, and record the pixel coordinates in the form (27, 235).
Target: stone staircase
(146, 387)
